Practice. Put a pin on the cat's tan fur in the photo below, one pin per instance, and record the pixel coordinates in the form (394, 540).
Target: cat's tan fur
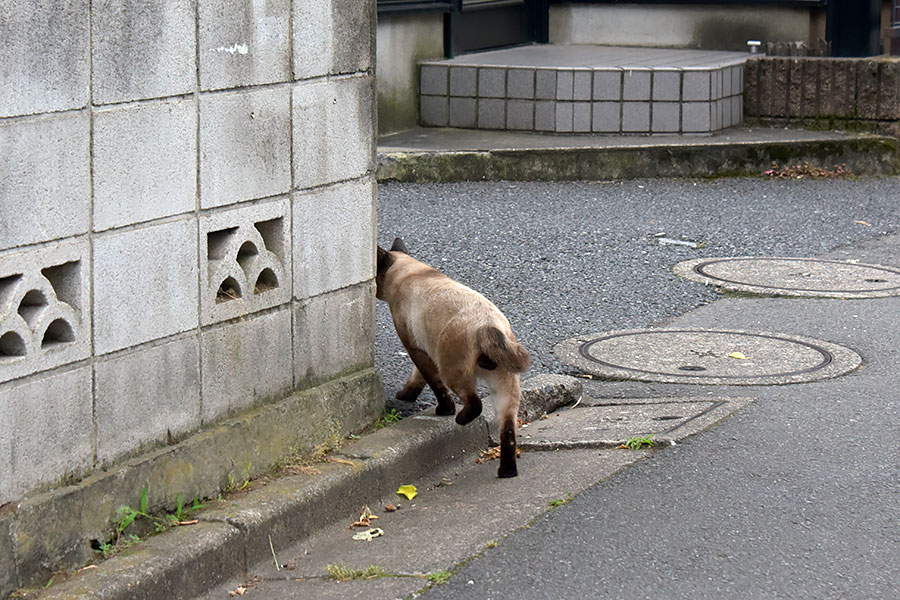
(454, 336)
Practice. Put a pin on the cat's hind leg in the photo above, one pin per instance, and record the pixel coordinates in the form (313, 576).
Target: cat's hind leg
(429, 372)
(415, 383)
(463, 385)
(506, 394)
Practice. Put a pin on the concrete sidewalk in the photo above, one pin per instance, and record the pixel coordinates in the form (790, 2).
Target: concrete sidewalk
(443, 154)
(233, 534)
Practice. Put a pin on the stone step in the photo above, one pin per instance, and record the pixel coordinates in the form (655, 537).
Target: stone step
(585, 89)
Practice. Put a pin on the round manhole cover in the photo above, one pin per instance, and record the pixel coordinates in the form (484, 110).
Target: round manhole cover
(794, 276)
(712, 357)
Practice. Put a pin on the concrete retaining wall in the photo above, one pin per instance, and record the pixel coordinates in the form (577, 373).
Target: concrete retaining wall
(186, 226)
(403, 41)
(705, 26)
(833, 91)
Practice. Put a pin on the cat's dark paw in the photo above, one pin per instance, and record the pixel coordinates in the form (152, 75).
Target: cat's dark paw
(509, 470)
(468, 414)
(445, 410)
(408, 394)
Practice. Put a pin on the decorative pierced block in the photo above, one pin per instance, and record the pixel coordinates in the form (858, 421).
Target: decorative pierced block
(245, 260)
(44, 322)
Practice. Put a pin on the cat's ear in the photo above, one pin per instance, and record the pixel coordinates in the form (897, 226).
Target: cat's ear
(384, 259)
(399, 246)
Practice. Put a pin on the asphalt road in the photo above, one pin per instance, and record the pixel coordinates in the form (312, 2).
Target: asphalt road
(797, 496)
(564, 259)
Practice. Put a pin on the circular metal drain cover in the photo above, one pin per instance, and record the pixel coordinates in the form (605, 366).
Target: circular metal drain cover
(710, 357)
(810, 277)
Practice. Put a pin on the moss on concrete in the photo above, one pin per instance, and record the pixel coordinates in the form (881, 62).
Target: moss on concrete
(55, 530)
(862, 155)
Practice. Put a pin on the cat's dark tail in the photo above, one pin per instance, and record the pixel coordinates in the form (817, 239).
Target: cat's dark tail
(500, 350)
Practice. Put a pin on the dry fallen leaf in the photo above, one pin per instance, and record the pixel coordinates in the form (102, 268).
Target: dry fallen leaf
(493, 453)
(863, 223)
(390, 507)
(365, 519)
(239, 591)
(302, 470)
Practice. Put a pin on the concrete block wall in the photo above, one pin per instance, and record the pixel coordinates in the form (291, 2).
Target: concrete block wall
(840, 91)
(186, 219)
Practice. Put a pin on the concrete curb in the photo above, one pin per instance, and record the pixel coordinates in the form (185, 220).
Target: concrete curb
(862, 154)
(186, 561)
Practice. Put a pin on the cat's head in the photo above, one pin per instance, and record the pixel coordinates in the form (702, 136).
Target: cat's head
(385, 260)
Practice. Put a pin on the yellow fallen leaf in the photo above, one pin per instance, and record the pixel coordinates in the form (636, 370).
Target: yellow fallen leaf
(739, 355)
(407, 491)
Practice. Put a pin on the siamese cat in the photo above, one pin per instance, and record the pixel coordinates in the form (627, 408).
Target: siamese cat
(454, 336)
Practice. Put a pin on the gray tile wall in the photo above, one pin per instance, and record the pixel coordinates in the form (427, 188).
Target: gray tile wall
(637, 100)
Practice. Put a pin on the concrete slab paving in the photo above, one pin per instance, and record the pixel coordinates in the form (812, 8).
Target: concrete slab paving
(383, 587)
(790, 276)
(595, 56)
(433, 139)
(460, 511)
(611, 424)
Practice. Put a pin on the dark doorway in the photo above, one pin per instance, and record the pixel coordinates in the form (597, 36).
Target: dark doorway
(483, 24)
(854, 27)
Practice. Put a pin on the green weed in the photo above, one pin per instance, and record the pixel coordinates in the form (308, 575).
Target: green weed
(126, 516)
(636, 443)
(561, 501)
(232, 484)
(439, 577)
(388, 418)
(345, 573)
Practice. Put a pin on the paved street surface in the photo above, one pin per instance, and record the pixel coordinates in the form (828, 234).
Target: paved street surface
(567, 259)
(793, 495)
